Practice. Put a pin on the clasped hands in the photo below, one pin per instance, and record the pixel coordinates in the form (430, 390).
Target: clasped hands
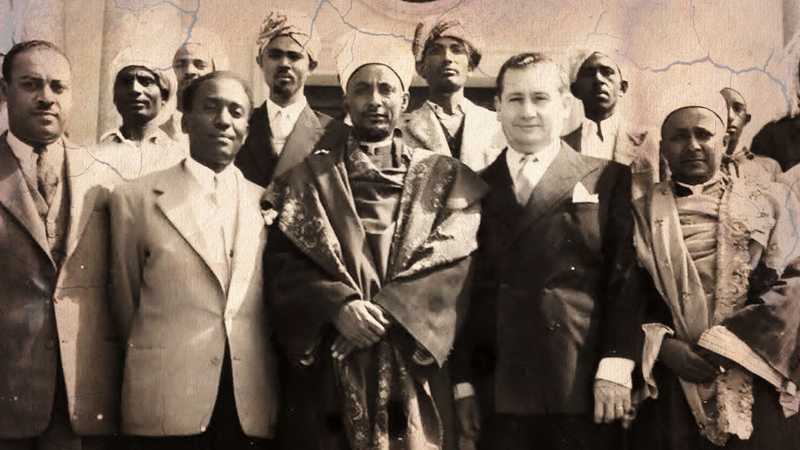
(690, 362)
(360, 324)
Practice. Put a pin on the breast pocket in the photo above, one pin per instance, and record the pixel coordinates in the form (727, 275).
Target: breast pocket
(584, 219)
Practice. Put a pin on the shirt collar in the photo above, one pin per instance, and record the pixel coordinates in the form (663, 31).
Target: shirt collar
(115, 136)
(292, 111)
(697, 189)
(438, 110)
(609, 126)
(546, 155)
(205, 176)
(24, 152)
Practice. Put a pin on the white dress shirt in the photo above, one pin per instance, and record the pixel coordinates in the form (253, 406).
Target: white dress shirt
(526, 170)
(599, 140)
(219, 221)
(283, 120)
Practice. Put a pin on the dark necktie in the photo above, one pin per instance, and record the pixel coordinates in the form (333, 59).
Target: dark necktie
(47, 176)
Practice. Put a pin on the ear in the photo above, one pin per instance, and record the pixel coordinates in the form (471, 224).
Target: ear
(725, 140)
(420, 67)
(185, 123)
(747, 118)
(3, 89)
(312, 64)
(406, 98)
(258, 59)
(497, 107)
(623, 87)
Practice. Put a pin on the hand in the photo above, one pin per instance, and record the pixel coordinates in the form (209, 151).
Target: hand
(341, 348)
(685, 362)
(469, 417)
(612, 401)
(361, 322)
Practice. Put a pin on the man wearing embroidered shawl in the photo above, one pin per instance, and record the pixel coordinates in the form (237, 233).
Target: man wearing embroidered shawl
(369, 272)
(720, 352)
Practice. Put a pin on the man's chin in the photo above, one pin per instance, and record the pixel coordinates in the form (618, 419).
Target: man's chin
(372, 134)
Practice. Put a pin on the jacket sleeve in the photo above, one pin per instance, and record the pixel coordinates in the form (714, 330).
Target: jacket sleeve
(126, 261)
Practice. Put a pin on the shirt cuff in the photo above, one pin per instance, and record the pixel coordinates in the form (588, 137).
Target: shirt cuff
(616, 370)
(463, 390)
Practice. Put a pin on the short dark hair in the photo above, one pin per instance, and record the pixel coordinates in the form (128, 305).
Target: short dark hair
(26, 46)
(683, 108)
(531, 59)
(191, 90)
(474, 54)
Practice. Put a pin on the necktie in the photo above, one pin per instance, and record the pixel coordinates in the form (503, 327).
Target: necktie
(522, 182)
(47, 176)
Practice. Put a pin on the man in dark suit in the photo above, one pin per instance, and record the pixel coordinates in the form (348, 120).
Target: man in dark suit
(550, 339)
(284, 128)
(59, 371)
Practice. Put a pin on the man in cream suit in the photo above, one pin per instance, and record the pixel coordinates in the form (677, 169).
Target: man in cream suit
(448, 123)
(549, 344)
(59, 370)
(187, 248)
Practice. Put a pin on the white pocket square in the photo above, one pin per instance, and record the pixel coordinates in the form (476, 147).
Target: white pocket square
(581, 195)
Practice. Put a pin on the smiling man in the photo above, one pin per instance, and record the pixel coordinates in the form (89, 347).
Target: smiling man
(447, 122)
(369, 269)
(549, 346)
(722, 313)
(187, 247)
(598, 82)
(284, 129)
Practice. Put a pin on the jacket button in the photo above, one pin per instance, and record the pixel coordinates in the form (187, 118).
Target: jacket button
(553, 326)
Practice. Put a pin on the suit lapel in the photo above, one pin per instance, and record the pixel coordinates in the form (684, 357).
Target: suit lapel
(423, 125)
(501, 203)
(250, 227)
(259, 142)
(181, 201)
(83, 191)
(16, 197)
(556, 184)
(301, 140)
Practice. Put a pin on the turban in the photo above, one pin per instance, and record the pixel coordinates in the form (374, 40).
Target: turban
(160, 69)
(297, 26)
(425, 34)
(360, 49)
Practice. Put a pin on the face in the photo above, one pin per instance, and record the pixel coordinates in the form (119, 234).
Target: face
(375, 99)
(191, 61)
(737, 116)
(137, 95)
(446, 64)
(286, 67)
(599, 84)
(692, 142)
(38, 95)
(217, 122)
(531, 109)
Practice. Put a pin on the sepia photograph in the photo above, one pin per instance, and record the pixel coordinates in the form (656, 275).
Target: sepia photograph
(399, 225)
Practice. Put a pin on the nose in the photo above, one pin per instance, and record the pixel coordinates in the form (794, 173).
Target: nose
(137, 87)
(46, 95)
(223, 119)
(693, 143)
(528, 109)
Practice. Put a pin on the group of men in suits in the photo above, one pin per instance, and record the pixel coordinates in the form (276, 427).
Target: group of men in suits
(447, 278)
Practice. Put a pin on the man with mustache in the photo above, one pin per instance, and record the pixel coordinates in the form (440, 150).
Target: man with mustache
(368, 269)
(720, 352)
(447, 122)
(284, 128)
(200, 54)
(60, 364)
(739, 160)
(187, 243)
(598, 83)
(139, 146)
(546, 357)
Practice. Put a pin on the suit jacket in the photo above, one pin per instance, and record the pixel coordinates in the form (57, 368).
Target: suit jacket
(260, 163)
(632, 148)
(47, 312)
(176, 316)
(550, 299)
(482, 138)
